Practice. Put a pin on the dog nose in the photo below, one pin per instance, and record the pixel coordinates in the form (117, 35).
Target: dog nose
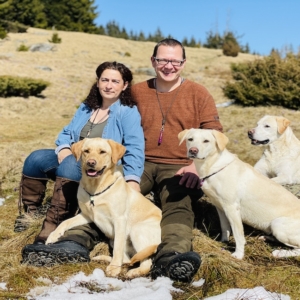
(91, 163)
(250, 132)
(193, 150)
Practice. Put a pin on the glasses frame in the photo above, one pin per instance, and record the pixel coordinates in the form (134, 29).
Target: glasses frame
(158, 60)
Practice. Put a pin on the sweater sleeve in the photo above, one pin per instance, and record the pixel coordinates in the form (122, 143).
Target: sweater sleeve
(209, 117)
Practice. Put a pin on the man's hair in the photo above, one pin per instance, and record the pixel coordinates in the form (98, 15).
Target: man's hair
(169, 42)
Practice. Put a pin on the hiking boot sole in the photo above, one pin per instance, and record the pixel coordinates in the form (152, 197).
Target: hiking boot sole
(178, 267)
(40, 255)
(184, 266)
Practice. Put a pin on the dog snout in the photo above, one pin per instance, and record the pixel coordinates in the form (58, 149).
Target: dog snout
(250, 133)
(91, 163)
(193, 151)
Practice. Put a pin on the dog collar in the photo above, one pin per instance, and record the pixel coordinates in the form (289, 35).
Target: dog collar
(93, 195)
(203, 179)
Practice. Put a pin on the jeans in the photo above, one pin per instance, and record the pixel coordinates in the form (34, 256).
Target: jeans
(44, 164)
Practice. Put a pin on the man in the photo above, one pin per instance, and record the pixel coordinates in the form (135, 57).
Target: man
(168, 104)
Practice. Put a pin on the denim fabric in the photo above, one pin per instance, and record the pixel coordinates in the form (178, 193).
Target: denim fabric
(44, 164)
(123, 126)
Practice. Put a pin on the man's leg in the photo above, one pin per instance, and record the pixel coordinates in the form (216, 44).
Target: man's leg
(147, 180)
(73, 247)
(174, 256)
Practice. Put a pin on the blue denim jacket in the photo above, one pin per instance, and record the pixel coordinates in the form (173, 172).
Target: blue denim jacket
(123, 126)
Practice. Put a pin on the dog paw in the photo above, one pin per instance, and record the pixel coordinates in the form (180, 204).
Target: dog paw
(113, 271)
(237, 255)
(133, 273)
(102, 258)
(52, 238)
(286, 253)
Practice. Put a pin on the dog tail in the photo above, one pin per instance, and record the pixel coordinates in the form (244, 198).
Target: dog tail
(143, 254)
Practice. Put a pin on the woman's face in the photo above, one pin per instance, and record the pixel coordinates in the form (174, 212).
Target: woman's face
(111, 85)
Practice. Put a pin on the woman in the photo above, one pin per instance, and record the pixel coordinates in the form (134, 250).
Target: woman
(108, 112)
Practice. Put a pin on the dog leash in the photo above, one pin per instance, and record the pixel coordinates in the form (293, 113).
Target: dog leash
(94, 195)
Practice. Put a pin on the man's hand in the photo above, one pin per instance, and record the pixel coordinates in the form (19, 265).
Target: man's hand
(190, 177)
(62, 154)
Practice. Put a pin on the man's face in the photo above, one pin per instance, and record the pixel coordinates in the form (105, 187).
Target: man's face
(167, 71)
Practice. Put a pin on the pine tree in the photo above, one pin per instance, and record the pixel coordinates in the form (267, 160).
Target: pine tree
(71, 15)
(141, 37)
(213, 40)
(28, 12)
(112, 29)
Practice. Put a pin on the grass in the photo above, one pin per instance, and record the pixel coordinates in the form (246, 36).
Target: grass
(33, 123)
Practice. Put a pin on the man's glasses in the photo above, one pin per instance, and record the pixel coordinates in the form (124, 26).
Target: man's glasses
(175, 63)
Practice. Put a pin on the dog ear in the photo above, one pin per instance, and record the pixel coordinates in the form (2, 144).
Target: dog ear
(76, 149)
(282, 124)
(221, 138)
(182, 135)
(117, 152)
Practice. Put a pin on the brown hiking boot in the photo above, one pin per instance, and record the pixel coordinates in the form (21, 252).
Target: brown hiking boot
(63, 206)
(31, 196)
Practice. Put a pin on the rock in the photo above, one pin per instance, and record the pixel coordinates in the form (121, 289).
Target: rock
(41, 47)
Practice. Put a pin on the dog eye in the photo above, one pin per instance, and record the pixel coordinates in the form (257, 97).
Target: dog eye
(267, 126)
(206, 141)
(190, 139)
(86, 151)
(102, 152)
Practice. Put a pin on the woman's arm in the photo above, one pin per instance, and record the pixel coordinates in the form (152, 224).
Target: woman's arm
(70, 133)
(134, 141)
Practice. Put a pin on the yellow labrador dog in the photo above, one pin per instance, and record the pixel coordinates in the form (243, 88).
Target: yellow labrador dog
(242, 194)
(126, 217)
(281, 158)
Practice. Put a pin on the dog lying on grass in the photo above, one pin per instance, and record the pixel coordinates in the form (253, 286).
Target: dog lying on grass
(281, 158)
(126, 217)
(242, 194)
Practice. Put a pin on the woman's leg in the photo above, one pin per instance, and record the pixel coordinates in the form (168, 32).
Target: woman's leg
(64, 202)
(38, 167)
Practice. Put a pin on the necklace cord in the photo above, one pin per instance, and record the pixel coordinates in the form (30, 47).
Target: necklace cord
(164, 116)
(94, 124)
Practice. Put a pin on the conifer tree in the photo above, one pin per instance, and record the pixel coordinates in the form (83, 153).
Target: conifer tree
(71, 15)
(28, 12)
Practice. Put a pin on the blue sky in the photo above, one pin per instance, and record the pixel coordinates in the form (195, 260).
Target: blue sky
(263, 24)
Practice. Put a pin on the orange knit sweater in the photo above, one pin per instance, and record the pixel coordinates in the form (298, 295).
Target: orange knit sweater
(193, 107)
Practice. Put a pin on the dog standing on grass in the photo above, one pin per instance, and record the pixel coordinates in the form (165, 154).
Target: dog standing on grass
(281, 158)
(125, 216)
(242, 194)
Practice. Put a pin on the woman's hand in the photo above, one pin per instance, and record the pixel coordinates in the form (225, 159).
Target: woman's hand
(134, 185)
(62, 154)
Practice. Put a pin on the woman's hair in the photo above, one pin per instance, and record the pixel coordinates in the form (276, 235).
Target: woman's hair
(94, 98)
(169, 42)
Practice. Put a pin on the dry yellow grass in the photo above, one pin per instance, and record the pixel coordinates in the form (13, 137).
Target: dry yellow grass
(33, 123)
